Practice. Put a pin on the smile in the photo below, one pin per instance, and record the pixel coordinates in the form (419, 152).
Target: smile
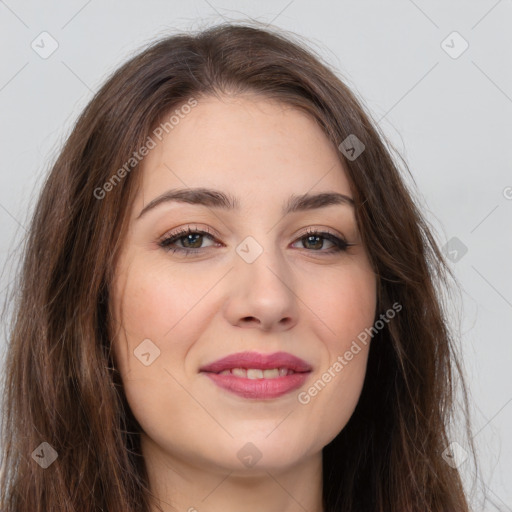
(258, 376)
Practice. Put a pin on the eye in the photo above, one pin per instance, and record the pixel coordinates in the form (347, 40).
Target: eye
(191, 239)
(315, 240)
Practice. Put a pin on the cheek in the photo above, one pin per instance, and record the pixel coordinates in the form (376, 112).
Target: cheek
(154, 302)
(149, 305)
(332, 396)
(347, 307)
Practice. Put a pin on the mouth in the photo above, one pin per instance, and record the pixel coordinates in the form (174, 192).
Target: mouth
(258, 376)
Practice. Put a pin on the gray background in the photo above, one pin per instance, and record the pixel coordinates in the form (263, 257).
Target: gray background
(449, 117)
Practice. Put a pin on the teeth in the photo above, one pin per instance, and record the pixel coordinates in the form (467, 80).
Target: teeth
(271, 374)
(253, 373)
(257, 373)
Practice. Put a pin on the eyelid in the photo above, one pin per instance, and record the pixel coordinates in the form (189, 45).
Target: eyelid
(318, 229)
(182, 230)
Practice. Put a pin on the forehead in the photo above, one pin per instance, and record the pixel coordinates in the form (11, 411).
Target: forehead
(247, 145)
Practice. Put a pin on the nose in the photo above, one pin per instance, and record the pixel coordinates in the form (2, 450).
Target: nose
(261, 294)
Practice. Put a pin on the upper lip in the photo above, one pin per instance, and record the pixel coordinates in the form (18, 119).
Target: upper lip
(257, 360)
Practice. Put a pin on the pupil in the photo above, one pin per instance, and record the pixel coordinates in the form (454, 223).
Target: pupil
(187, 239)
(312, 237)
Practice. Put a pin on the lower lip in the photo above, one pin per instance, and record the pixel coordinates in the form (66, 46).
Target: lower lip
(259, 388)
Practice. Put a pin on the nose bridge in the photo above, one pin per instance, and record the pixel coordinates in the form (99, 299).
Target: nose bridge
(261, 264)
(262, 290)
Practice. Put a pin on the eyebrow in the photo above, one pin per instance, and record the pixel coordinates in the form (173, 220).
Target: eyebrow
(217, 199)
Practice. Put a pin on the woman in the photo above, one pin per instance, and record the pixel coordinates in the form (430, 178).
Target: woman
(229, 299)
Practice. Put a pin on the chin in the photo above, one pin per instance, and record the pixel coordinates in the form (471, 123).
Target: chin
(270, 448)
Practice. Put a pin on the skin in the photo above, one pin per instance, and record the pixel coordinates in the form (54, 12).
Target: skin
(295, 297)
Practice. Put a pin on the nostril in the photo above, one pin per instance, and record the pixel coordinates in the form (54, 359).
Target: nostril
(250, 319)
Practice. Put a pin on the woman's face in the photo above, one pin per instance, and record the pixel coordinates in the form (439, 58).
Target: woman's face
(256, 282)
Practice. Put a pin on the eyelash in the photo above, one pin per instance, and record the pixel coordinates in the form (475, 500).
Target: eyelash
(340, 245)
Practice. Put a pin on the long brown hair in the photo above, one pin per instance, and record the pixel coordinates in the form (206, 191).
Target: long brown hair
(61, 386)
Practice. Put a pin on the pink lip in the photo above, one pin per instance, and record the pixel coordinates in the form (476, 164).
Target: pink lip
(257, 360)
(258, 388)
